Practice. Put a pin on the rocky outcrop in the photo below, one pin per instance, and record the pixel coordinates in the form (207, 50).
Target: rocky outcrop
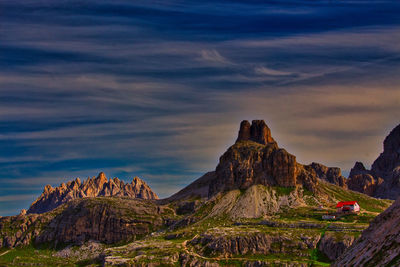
(362, 180)
(257, 132)
(255, 158)
(379, 244)
(389, 159)
(334, 244)
(383, 180)
(92, 187)
(103, 219)
(229, 244)
(19, 230)
(332, 175)
(107, 220)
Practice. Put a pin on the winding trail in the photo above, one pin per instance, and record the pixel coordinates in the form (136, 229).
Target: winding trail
(5, 252)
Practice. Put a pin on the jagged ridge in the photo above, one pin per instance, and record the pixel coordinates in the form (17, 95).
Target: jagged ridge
(92, 187)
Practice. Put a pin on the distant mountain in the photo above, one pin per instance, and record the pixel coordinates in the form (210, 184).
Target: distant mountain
(92, 187)
(383, 180)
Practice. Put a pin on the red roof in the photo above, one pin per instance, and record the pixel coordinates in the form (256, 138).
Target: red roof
(345, 203)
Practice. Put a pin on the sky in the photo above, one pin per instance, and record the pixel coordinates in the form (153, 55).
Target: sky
(157, 89)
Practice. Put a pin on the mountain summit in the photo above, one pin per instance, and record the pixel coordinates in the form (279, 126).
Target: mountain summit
(256, 159)
(383, 180)
(258, 132)
(92, 187)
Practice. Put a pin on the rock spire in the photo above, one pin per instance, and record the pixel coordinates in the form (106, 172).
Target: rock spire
(258, 132)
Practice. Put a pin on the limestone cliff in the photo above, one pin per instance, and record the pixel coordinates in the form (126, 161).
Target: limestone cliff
(255, 158)
(332, 175)
(383, 180)
(92, 187)
(104, 219)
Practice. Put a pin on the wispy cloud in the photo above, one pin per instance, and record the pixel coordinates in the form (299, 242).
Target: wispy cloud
(19, 197)
(158, 89)
(213, 56)
(268, 71)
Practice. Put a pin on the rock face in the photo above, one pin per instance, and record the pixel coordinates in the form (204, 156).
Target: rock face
(389, 159)
(332, 175)
(92, 187)
(103, 219)
(19, 230)
(107, 220)
(362, 180)
(383, 180)
(258, 132)
(333, 245)
(228, 244)
(379, 244)
(255, 158)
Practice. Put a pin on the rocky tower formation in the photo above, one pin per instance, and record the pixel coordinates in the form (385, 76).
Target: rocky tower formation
(389, 159)
(258, 132)
(92, 187)
(255, 158)
(379, 244)
(383, 180)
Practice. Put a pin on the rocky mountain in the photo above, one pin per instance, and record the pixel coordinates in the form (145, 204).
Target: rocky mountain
(104, 219)
(379, 244)
(92, 187)
(258, 160)
(332, 175)
(259, 207)
(383, 180)
(255, 158)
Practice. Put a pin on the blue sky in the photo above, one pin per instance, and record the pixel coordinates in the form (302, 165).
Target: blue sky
(157, 89)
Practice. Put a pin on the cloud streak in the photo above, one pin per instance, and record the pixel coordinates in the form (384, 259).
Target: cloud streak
(158, 90)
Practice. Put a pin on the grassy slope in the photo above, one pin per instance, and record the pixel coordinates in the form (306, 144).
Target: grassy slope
(160, 246)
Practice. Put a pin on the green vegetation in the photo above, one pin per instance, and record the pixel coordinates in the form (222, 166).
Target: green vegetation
(366, 202)
(318, 257)
(30, 254)
(283, 191)
(289, 232)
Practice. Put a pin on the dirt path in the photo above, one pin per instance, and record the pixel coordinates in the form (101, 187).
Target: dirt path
(5, 252)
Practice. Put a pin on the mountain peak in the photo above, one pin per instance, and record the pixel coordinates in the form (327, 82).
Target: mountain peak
(101, 179)
(383, 178)
(244, 165)
(258, 132)
(390, 157)
(92, 187)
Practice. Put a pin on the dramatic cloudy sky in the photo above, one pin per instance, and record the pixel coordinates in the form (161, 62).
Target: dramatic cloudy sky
(157, 89)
